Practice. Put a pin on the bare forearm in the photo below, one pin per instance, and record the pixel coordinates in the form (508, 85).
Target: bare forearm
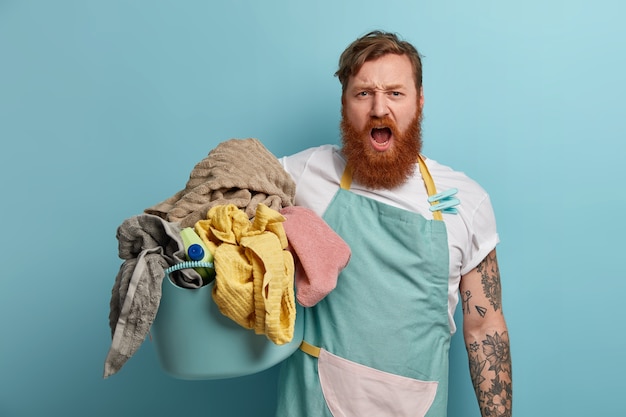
(490, 370)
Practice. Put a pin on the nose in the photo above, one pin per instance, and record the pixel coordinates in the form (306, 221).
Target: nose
(379, 106)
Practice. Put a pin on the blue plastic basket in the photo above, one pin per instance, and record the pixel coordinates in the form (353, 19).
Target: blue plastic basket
(194, 340)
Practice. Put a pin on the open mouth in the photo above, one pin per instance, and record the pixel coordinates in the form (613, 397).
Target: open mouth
(381, 135)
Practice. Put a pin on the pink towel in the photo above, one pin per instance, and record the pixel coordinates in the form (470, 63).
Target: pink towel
(320, 253)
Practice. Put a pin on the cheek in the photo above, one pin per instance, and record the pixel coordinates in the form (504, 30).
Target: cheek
(406, 117)
(357, 117)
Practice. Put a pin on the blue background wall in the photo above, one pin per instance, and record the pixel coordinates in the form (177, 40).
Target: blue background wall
(106, 106)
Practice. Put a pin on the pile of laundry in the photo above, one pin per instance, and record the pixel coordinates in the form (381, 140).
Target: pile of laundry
(267, 253)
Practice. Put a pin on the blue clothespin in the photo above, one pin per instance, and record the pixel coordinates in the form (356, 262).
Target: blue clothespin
(445, 201)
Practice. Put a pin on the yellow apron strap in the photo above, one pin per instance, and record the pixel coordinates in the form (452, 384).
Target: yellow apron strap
(346, 181)
(310, 349)
(430, 185)
(346, 178)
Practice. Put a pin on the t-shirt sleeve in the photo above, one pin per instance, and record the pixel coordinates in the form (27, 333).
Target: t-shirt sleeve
(296, 164)
(484, 235)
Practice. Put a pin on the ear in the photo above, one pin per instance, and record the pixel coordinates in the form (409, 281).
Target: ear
(421, 98)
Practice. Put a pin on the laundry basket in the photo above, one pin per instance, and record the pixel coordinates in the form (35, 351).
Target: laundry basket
(194, 340)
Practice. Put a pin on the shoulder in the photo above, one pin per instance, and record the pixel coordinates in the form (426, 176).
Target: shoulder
(474, 227)
(317, 160)
(306, 155)
(470, 193)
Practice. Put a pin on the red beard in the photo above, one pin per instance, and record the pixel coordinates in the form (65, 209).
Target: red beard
(387, 169)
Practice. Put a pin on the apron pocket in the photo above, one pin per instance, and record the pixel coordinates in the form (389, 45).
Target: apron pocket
(354, 390)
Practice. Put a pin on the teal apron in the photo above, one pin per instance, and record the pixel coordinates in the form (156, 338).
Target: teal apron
(381, 337)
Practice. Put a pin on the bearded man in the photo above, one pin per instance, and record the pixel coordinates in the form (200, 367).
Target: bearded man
(420, 234)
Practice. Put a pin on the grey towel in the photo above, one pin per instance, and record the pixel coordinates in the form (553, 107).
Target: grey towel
(238, 171)
(148, 245)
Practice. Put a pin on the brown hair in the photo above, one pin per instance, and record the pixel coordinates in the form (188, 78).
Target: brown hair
(372, 46)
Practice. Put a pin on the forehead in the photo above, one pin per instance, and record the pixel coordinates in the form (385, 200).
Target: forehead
(388, 70)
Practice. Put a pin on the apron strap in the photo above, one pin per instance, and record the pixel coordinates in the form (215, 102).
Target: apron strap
(430, 185)
(310, 349)
(346, 181)
(346, 178)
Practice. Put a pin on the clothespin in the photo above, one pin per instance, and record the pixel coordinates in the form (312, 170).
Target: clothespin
(444, 201)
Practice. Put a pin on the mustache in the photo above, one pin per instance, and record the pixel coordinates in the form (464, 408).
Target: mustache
(381, 123)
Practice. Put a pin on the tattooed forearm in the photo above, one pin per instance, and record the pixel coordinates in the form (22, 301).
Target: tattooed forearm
(490, 278)
(490, 370)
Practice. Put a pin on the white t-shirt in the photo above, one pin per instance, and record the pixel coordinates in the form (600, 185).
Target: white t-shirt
(471, 232)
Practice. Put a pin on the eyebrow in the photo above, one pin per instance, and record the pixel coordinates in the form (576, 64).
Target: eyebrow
(368, 86)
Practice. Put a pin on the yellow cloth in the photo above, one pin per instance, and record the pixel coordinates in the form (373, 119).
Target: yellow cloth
(254, 271)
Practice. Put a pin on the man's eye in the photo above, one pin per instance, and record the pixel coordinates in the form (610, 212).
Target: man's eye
(395, 93)
(363, 94)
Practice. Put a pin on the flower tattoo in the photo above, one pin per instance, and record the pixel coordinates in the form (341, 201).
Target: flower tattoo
(490, 370)
(496, 350)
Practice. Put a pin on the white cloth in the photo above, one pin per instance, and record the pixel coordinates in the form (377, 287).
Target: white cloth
(472, 232)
